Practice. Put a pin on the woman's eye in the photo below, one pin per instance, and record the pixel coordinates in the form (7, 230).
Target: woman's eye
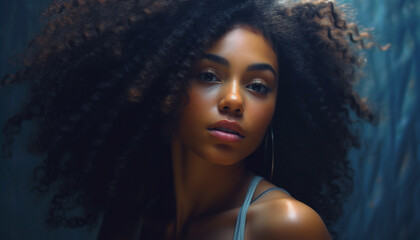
(259, 88)
(209, 77)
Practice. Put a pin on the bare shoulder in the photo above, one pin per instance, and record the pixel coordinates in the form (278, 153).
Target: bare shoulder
(288, 219)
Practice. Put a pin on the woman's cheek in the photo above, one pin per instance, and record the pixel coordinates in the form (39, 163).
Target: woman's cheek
(260, 115)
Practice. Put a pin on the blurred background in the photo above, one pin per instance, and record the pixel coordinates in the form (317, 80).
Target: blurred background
(386, 199)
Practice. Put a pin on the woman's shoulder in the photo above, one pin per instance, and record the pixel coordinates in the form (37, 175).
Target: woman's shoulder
(280, 216)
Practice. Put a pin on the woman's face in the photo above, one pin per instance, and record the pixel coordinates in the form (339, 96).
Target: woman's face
(232, 97)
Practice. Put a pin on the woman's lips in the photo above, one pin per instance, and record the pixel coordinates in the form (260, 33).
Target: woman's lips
(225, 136)
(227, 131)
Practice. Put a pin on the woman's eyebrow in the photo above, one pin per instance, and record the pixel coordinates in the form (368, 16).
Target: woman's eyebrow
(217, 59)
(253, 67)
(261, 66)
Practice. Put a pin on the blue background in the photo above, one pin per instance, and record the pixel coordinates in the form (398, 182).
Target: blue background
(386, 200)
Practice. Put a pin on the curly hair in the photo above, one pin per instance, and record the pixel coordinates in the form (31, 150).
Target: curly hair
(105, 74)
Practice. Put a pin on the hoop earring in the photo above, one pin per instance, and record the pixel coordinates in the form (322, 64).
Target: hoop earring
(272, 152)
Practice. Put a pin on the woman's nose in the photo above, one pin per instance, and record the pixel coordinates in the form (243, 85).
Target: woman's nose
(231, 100)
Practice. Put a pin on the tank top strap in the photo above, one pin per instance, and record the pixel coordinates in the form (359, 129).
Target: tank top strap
(270, 190)
(240, 220)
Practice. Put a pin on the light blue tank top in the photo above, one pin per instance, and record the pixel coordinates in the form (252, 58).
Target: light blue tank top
(241, 219)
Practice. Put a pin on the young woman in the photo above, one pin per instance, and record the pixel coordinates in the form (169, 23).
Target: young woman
(181, 119)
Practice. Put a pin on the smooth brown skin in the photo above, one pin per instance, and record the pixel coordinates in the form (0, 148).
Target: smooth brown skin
(209, 175)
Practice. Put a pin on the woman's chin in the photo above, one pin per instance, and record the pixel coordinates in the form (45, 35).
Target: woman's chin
(224, 159)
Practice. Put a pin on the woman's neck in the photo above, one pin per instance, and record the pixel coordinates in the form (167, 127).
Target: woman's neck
(202, 188)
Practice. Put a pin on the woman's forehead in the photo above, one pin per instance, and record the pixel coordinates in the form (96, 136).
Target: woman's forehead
(244, 43)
